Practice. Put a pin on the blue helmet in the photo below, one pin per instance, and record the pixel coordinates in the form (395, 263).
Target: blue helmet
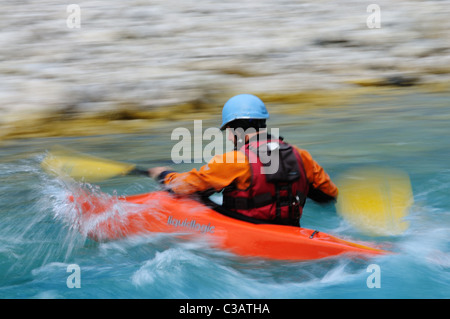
(243, 106)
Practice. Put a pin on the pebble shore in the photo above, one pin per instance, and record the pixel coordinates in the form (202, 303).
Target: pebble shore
(136, 62)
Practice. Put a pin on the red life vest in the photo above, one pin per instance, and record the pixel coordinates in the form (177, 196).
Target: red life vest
(278, 188)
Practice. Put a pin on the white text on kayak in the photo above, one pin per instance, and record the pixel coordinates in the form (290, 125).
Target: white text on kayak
(191, 225)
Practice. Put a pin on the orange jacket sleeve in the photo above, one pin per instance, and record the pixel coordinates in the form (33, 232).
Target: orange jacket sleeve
(321, 186)
(222, 171)
(233, 167)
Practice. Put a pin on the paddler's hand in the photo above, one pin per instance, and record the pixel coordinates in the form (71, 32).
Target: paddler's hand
(156, 171)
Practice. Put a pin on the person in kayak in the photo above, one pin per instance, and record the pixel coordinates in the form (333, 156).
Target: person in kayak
(246, 176)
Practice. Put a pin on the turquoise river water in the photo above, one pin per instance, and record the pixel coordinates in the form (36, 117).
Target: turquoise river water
(410, 132)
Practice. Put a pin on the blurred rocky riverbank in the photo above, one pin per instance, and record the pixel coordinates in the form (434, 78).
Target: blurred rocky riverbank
(137, 63)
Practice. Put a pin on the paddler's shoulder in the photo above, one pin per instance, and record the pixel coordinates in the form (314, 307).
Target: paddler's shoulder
(305, 155)
(232, 157)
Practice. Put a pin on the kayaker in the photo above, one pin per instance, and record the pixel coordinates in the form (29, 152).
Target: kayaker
(277, 196)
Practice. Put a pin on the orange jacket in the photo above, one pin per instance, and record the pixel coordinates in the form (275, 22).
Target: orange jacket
(234, 167)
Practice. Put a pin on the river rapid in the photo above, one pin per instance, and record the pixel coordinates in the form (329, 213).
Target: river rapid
(38, 244)
(117, 87)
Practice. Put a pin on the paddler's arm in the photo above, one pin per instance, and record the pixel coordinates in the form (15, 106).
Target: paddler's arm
(159, 172)
(321, 188)
(220, 172)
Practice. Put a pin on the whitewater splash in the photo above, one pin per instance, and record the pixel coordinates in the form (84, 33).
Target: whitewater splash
(29, 236)
(95, 214)
(41, 234)
(37, 208)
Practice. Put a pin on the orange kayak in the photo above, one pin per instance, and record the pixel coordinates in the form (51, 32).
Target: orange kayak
(104, 218)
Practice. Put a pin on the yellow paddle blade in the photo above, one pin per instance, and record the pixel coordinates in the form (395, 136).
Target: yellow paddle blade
(65, 162)
(376, 201)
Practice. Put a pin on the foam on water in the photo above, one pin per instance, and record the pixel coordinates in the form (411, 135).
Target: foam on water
(40, 235)
(149, 266)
